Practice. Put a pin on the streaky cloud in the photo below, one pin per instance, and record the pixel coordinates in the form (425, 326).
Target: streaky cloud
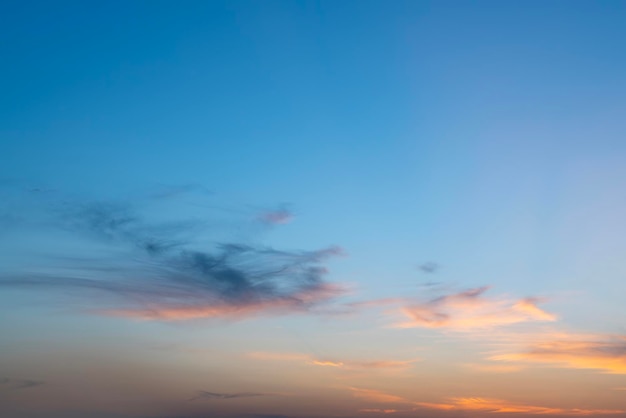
(462, 404)
(215, 395)
(134, 259)
(380, 411)
(19, 384)
(502, 406)
(340, 364)
(606, 353)
(276, 217)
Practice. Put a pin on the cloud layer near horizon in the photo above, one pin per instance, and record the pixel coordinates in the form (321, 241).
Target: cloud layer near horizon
(488, 405)
(599, 352)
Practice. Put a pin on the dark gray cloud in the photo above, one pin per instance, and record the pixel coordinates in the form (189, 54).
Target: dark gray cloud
(7, 383)
(429, 267)
(214, 395)
(148, 261)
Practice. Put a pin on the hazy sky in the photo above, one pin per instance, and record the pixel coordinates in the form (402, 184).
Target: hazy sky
(299, 209)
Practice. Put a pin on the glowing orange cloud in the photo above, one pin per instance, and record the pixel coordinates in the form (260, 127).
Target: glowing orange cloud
(497, 405)
(327, 363)
(373, 395)
(599, 352)
(344, 364)
(473, 404)
(471, 309)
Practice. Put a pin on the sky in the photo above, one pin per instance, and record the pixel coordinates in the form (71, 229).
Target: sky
(312, 209)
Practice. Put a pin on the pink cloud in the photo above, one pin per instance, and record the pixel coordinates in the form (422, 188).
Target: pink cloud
(302, 301)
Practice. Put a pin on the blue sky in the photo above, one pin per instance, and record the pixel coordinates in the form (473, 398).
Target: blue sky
(485, 136)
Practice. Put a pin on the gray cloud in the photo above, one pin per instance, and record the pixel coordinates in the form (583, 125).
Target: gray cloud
(276, 217)
(146, 263)
(214, 395)
(17, 384)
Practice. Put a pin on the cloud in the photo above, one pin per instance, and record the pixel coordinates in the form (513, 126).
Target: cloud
(502, 406)
(473, 404)
(18, 384)
(341, 364)
(380, 411)
(377, 396)
(472, 309)
(606, 353)
(214, 395)
(137, 260)
(429, 267)
(276, 217)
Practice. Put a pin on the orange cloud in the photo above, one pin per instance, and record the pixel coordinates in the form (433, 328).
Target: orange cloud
(498, 405)
(601, 353)
(475, 404)
(471, 309)
(377, 396)
(344, 364)
(327, 363)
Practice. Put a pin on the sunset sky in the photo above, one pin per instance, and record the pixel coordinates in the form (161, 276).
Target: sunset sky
(312, 209)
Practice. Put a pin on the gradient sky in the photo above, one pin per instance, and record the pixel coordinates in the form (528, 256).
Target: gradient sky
(299, 209)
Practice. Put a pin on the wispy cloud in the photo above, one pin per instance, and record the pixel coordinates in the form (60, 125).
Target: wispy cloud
(215, 395)
(276, 217)
(18, 384)
(341, 364)
(378, 396)
(605, 353)
(146, 264)
(380, 411)
(502, 406)
(472, 309)
(471, 404)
